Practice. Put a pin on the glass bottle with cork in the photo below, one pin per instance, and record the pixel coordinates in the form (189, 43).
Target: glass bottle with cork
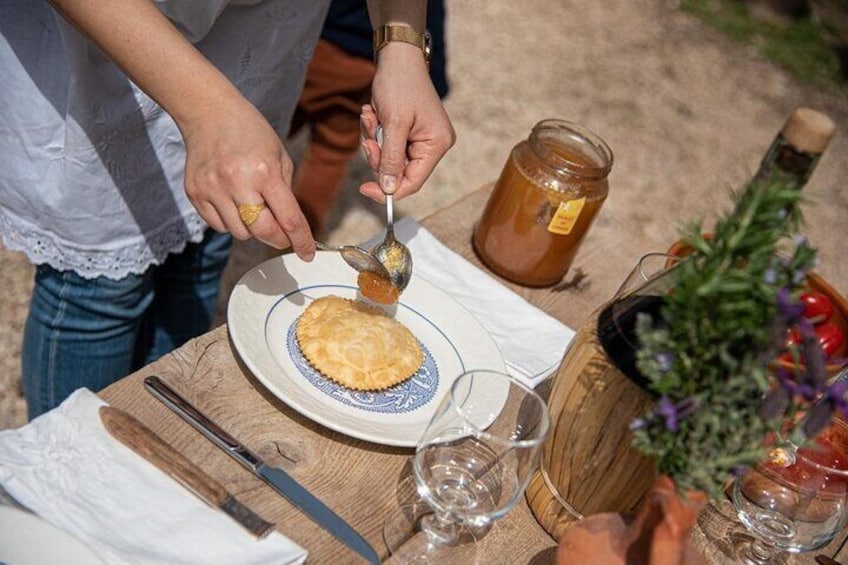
(547, 196)
(797, 148)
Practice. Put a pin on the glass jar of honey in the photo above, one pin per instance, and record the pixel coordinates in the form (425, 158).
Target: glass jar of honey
(546, 198)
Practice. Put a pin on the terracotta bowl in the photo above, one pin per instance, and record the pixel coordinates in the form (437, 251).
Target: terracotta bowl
(814, 282)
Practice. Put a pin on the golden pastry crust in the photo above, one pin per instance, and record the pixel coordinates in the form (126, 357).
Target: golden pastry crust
(357, 345)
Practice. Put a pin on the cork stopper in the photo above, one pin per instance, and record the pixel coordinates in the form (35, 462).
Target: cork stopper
(808, 130)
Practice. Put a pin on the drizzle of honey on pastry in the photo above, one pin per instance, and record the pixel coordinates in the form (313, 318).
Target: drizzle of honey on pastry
(377, 288)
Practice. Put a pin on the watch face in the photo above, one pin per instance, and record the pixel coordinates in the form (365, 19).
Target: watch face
(428, 45)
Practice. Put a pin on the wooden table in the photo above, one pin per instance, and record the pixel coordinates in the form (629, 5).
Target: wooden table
(362, 481)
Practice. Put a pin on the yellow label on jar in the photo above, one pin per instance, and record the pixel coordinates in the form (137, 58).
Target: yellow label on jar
(566, 216)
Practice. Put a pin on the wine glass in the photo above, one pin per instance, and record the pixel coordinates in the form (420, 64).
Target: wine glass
(649, 266)
(471, 467)
(643, 292)
(796, 501)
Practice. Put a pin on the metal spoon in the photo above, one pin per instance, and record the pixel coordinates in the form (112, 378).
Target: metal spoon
(394, 255)
(358, 258)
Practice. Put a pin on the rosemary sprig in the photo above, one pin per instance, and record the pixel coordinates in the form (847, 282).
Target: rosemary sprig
(725, 319)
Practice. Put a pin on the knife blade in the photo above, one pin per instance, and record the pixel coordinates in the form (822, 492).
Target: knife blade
(146, 443)
(276, 478)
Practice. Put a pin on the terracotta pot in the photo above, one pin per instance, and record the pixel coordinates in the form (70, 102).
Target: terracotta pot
(659, 534)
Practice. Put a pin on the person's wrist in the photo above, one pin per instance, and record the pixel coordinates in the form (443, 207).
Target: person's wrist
(395, 34)
(200, 108)
(403, 58)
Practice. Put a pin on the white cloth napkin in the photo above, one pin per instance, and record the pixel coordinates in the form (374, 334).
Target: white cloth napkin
(65, 467)
(532, 343)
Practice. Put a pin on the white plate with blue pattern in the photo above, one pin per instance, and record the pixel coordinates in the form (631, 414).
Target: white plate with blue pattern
(263, 310)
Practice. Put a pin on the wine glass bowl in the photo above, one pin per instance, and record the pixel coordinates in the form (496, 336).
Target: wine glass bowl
(797, 500)
(786, 515)
(471, 466)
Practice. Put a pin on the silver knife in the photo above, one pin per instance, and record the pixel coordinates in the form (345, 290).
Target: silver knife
(277, 478)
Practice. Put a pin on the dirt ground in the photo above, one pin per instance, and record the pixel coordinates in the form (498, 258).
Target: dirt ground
(688, 114)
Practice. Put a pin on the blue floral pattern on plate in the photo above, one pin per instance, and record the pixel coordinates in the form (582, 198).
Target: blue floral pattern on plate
(404, 397)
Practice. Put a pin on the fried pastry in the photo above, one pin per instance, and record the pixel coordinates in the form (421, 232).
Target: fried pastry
(357, 345)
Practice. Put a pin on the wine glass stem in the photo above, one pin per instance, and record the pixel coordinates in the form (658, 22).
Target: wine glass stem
(760, 553)
(440, 528)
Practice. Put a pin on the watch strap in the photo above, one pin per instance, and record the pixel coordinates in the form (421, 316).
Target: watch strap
(387, 33)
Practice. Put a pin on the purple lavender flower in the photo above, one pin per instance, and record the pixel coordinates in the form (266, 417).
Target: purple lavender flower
(806, 327)
(770, 275)
(784, 377)
(808, 391)
(667, 409)
(813, 357)
(672, 413)
(789, 307)
(664, 360)
(835, 395)
(776, 402)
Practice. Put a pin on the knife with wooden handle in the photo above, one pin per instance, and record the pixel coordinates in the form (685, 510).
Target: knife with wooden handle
(277, 478)
(144, 442)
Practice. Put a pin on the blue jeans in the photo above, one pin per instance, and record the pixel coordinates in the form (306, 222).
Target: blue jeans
(92, 332)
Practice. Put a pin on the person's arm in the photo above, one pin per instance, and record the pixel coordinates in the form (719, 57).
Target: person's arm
(403, 12)
(233, 156)
(416, 129)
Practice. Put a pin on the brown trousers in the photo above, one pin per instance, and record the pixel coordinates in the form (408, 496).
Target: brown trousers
(337, 85)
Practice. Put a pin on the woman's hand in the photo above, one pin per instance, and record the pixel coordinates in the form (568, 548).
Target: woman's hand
(233, 158)
(416, 129)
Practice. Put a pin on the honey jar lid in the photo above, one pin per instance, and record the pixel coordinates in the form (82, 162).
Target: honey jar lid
(808, 130)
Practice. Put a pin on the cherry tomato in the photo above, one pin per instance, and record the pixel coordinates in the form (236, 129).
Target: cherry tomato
(830, 337)
(793, 339)
(817, 307)
(787, 357)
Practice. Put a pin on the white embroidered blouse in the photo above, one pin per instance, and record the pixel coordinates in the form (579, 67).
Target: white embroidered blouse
(91, 169)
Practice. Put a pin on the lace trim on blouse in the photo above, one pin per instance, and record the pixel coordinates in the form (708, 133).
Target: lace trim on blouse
(149, 249)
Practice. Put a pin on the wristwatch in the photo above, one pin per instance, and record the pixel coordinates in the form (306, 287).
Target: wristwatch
(386, 33)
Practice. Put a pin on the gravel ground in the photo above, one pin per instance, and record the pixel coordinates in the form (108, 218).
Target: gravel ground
(687, 112)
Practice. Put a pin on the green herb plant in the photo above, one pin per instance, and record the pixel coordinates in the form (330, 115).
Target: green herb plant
(707, 357)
